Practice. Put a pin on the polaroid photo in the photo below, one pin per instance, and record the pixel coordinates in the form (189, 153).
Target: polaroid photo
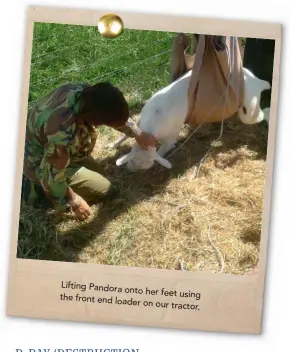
(144, 170)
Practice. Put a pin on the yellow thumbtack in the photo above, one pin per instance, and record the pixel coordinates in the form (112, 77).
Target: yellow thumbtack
(110, 26)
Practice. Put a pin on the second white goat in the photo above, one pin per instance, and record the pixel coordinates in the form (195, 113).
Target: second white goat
(164, 115)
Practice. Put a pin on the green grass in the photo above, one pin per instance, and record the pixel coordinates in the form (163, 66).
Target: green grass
(138, 62)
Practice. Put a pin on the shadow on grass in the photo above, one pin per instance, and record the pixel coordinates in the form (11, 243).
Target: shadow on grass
(38, 235)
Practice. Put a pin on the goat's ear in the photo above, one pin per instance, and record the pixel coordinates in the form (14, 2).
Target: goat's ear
(124, 159)
(164, 162)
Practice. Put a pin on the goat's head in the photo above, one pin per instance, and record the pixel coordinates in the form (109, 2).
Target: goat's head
(140, 159)
(250, 112)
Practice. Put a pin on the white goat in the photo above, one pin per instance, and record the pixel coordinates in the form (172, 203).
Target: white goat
(250, 112)
(165, 112)
(163, 116)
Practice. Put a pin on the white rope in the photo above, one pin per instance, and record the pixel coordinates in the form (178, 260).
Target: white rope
(96, 79)
(134, 64)
(122, 68)
(217, 251)
(224, 110)
(102, 59)
(83, 68)
(230, 64)
(181, 264)
(209, 114)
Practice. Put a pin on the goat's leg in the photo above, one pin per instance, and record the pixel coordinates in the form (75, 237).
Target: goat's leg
(118, 142)
(166, 147)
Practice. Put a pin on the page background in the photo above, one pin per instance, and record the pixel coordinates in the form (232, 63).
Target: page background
(40, 334)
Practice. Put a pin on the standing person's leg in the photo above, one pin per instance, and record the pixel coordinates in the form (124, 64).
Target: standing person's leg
(259, 59)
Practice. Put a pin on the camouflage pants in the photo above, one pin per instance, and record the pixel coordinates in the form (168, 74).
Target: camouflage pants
(84, 180)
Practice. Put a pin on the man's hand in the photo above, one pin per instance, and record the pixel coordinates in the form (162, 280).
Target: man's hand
(145, 140)
(81, 208)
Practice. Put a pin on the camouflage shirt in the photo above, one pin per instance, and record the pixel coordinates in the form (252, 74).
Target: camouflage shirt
(55, 138)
